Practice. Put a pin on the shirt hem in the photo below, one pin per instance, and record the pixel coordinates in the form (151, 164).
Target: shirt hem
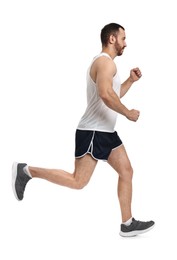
(96, 129)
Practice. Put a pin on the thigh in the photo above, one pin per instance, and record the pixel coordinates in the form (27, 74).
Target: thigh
(119, 160)
(84, 168)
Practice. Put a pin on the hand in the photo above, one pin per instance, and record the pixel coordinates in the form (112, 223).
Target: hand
(133, 115)
(135, 74)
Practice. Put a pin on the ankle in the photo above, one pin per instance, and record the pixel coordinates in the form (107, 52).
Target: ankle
(27, 171)
(127, 222)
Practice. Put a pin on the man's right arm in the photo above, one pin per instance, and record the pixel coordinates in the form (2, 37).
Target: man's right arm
(104, 78)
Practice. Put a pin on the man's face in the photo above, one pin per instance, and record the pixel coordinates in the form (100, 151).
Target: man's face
(120, 43)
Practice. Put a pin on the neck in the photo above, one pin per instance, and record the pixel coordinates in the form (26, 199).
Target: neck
(109, 52)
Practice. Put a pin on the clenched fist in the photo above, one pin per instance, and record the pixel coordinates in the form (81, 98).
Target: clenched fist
(135, 74)
(133, 115)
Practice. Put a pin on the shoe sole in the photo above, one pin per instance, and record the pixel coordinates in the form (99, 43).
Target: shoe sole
(135, 233)
(14, 177)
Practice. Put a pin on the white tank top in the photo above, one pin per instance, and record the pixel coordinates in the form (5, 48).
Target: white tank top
(98, 116)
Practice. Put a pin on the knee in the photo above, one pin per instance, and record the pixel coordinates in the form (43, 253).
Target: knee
(79, 185)
(126, 173)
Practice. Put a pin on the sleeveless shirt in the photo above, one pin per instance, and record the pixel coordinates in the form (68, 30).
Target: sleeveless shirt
(98, 116)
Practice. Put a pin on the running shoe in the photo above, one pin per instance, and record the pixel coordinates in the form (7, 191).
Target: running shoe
(19, 180)
(136, 228)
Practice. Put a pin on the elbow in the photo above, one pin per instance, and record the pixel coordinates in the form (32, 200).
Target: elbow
(121, 94)
(105, 97)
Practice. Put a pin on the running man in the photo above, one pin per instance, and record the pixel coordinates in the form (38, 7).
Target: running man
(96, 138)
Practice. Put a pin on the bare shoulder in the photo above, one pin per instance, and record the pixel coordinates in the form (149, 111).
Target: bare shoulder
(101, 65)
(104, 62)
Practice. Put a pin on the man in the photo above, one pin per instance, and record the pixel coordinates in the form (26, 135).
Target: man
(96, 138)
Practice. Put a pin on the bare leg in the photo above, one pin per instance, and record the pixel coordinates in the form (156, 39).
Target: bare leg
(119, 160)
(84, 168)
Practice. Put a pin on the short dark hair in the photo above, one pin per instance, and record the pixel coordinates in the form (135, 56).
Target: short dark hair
(108, 30)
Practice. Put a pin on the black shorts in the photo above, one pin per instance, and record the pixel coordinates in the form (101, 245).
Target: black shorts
(98, 144)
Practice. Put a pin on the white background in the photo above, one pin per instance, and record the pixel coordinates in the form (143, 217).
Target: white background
(45, 49)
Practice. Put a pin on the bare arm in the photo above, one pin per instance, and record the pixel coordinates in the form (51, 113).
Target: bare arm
(135, 74)
(104, 77)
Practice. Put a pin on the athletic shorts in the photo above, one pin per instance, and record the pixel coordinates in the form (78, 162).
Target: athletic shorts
(98, 144)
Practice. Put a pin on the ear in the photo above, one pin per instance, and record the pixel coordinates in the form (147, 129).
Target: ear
(112, 39)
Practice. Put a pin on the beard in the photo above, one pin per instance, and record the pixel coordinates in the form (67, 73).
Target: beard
(119, 50)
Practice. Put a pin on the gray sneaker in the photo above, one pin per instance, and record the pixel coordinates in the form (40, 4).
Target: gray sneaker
(19, 180)
(136, 228)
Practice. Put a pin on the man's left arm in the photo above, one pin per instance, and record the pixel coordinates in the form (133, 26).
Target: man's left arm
(135, 74)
